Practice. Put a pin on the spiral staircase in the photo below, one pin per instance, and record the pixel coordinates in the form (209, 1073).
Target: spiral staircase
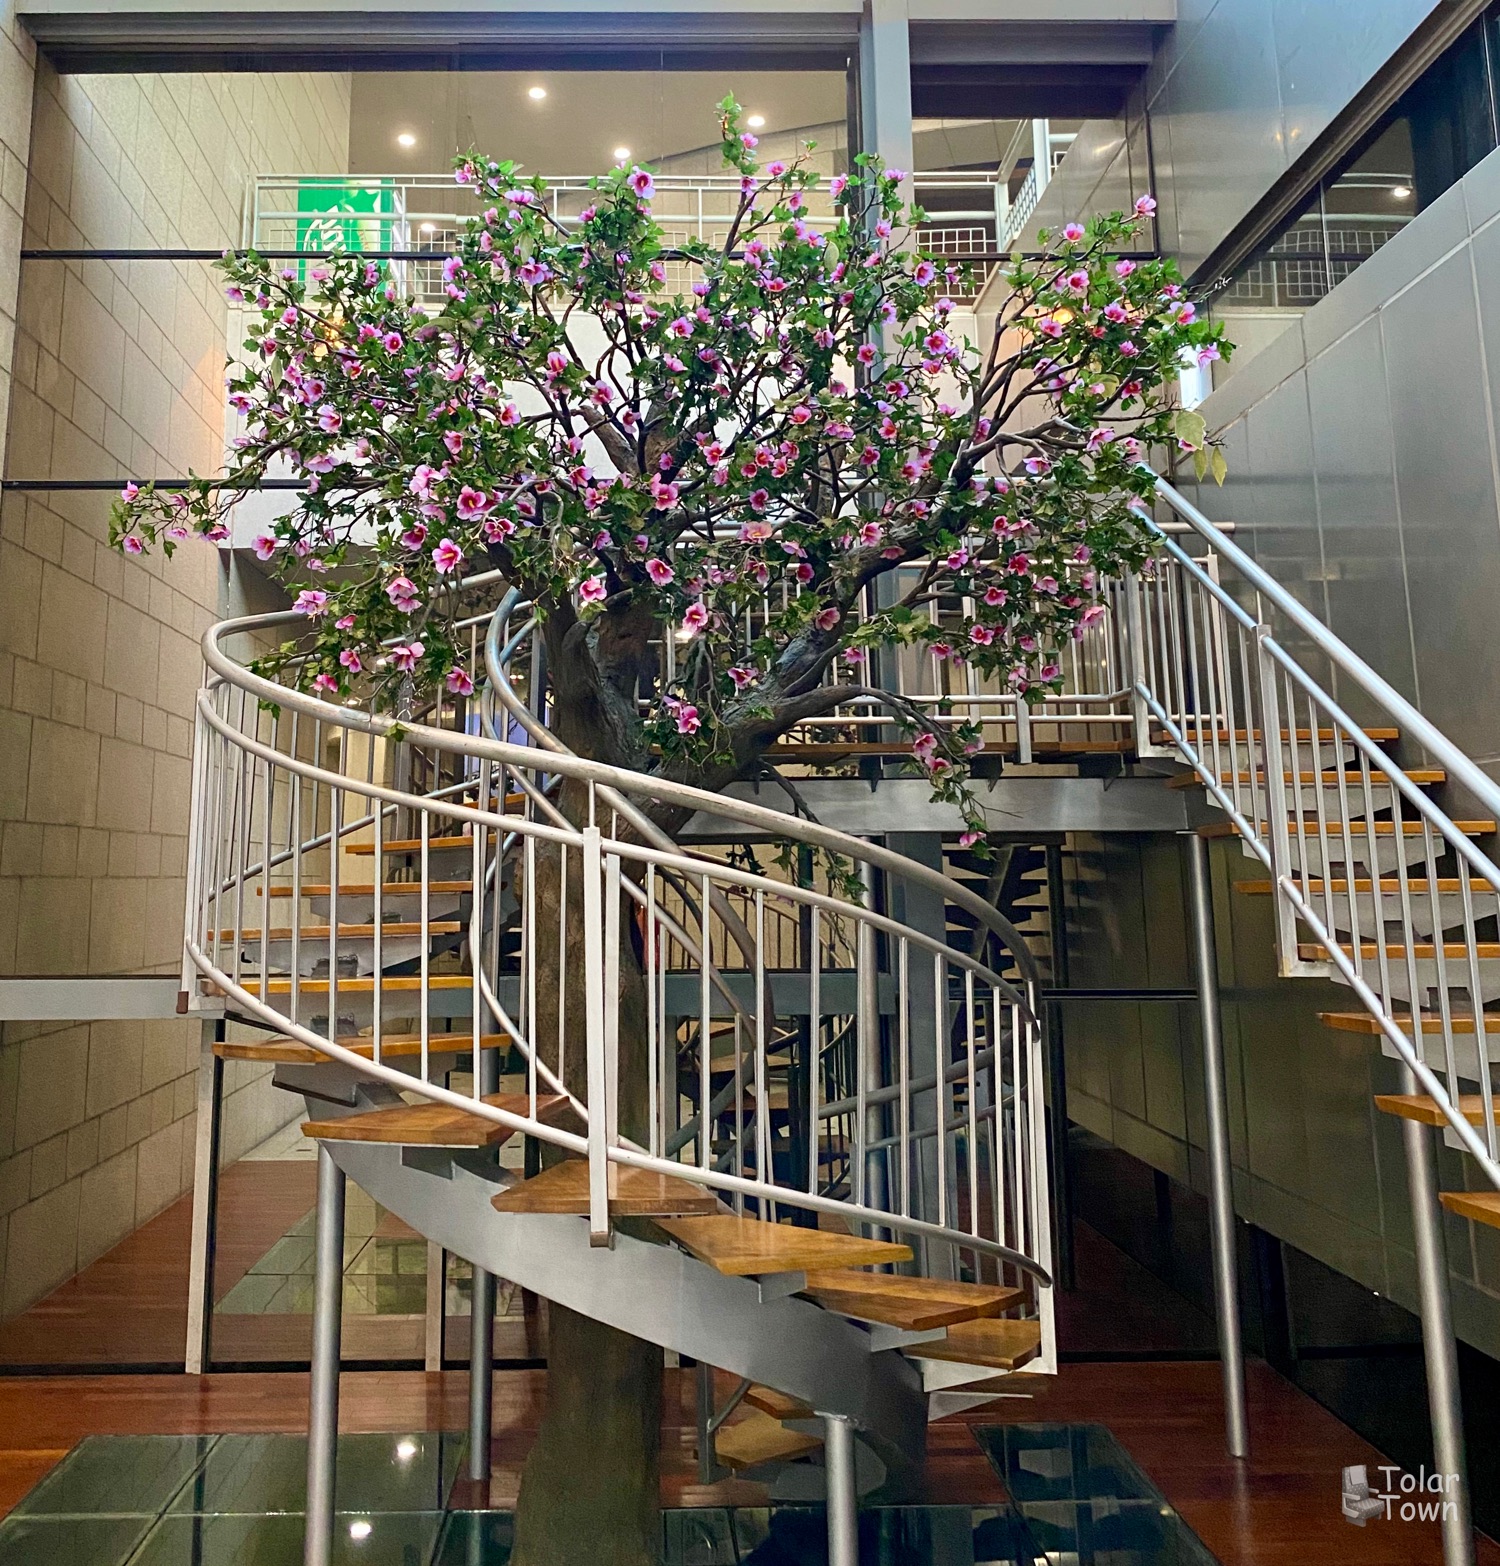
(789, 1133)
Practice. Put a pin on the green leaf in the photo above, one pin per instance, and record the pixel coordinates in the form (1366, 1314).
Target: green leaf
(1220, 467)
(1200, 463)
(1190, 426)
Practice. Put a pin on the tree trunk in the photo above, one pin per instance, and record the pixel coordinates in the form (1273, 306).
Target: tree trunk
(590, 1491)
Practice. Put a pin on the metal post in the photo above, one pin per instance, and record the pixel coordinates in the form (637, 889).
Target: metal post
(843, 1501)
(1057, 1073)
(875, 1169)
(482, 1330)
(709, 1470)
(435, 1317)
(323, 1410)
(1221, 1190)
(1439, 1350)
(205, 1201)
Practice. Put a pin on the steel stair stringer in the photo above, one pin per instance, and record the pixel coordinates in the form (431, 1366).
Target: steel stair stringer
(658, 1293)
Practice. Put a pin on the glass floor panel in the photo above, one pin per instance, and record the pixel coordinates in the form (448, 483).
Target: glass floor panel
(236, 1500)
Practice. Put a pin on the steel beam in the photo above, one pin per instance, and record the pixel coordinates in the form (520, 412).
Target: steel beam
(202, 1246)
(843, 1497)
(1220, 1174)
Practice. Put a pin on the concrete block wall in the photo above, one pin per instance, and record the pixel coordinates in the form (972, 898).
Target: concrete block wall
(116, 369)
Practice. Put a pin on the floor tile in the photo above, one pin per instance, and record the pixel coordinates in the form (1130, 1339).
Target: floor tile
(70, 1541)
(392, 1539)
(117, 1475)
(248, 1474)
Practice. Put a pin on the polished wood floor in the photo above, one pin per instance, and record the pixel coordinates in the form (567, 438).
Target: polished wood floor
(1279, 1509)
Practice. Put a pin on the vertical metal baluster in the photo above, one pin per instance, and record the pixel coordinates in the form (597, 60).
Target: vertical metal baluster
(423, 1021)
(705, 1034)
(1372, 855)
(335, 818)
(243, 785)
(903, 1067)
(562, 967)
(612, 995)
(814, 1047)
(972, 1108)
(1408, 924)
(763, 1170)
(594, 1001)
(377, 977)
(1260, 822)
(1476, 993)
(656, 1140)
(1440, 959)
(480, 848)
(267, 851)
(527, 998)
(997, 1106)
(939, 1042)
(739, 1115)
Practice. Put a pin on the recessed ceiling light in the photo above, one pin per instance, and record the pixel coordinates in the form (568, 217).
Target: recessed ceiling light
(406, 1450)
(756, 121)
(1401, 192)
(536, 93)
(360, 1529)
(406, 139)
(429, 228)
(622, 154)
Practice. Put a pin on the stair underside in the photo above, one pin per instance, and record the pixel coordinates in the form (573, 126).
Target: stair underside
(429, 1124)
(747, 1247)
(633, 1193)
(759, 1438)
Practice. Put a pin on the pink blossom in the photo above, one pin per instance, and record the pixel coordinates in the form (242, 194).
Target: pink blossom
(871, 533)
(415, 536)
(663, 495)
(406, 656)
(1077, 282)
(324, 682)
(837, 185)
(131, 490)
(1124, 268)
(329, 419)
(1128, 349)
(311, 602)
(472, 504)
(393, 342)
(688, 721)
(681, 327)
(660, 572)
(755, 532)
(447, 557)
(132, 545)
(865, 353)
(642, 184)
(775, 170)
(695, 617)
(351, 660)
(1187, 314)
(1115, 312)
(459, 682)
(1050, 327)
(1037, 466)
(402, 592)
(995, 597)
(760, 499)
(345, 622)
(967, 839)
(592, 590)
(1145, 206)
(749, 142)
(982, 635)
(266, 546)
(1073, 232)
(742, 676)
(826, 619)
(177, 533)
(801, 413)
(1207, 355)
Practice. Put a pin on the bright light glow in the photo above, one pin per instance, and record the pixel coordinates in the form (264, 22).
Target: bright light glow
(1062, 315)
(683, 634)
(429, 228)
(406, 139)
(755, 121)
(622, 154)
(406, 1450)
(360, 1529)
(536, 94)
(1401, 192)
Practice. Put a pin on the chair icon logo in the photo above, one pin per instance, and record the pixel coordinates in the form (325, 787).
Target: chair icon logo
(1359, 1506)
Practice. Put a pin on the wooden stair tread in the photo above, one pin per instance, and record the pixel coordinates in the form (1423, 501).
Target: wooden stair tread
(1312, 951)
(1482, 1206)
(835, 750)
(759, 1438)
(746, 1247)
(1380, 736)
(1390, 885)
(780, 1405)
(429, 1125)
(915, 1304)
(320, 932)
(1363, 1022)
(287, 1052)
(367, 888)
(1336, 829)
(411, 845)
(365, 985)
(997, 1343)
(1423, 777)
(634, 1193)
(1422, 1108)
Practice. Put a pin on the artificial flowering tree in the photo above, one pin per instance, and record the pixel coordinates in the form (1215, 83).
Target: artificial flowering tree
(726, 445)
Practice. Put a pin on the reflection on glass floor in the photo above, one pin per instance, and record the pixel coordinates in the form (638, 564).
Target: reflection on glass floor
(1076, 1499)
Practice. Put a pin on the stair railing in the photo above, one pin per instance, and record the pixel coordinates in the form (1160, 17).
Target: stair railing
(943, 1140)
(1347, 836)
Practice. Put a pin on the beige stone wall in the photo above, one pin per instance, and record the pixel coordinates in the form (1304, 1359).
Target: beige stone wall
(117, 370)
(17, 71)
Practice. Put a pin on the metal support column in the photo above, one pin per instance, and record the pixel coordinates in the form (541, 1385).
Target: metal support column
(1057, 1075)
(1221, 1189)
(482, 1330)
(205, 1201)
(1439, 1350)
(323, 1408)
(843, 1499)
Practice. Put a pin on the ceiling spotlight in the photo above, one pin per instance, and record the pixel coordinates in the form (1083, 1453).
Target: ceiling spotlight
(622, 154)
(536, 94)
(406, 1450)
(360, 1529)
(755, 121)
(406, 139)
(1401, 192)
(429, 228)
